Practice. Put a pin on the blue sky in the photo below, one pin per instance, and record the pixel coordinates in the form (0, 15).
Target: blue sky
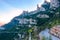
(12, 8)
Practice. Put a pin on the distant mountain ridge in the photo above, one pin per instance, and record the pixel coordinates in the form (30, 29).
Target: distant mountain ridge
(26, 14)
(39, 13)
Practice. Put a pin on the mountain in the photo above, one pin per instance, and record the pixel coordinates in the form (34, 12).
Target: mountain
(2, 28)
(46, 5)
(21, 25)
(40, 15)
(54, 4)
(26, 16)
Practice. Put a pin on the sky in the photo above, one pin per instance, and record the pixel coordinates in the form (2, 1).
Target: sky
(11, 8)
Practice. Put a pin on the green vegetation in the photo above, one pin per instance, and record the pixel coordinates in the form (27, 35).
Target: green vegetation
(44, 38)
(42, 23)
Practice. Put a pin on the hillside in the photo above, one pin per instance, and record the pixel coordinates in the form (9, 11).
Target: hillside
(33, 22)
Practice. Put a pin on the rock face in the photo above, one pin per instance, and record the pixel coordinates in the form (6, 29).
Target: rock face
(55, 31)
(54, 3)
(28, 17)
(25, 17)
(2, 28)
(46, 5)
